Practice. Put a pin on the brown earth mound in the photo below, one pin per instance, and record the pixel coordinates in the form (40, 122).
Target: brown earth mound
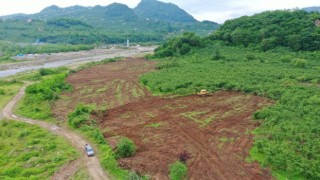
(215, 130)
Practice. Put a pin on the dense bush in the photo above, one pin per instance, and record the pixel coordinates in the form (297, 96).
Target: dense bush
(48, 89)
(2, 92)
(51, 71)
(178, 171)
(301, 63)
(268, 30)
(178, 46)
(125, 148)
(80, 116)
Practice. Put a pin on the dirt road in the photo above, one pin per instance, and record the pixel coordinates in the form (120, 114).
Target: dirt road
(94, 168)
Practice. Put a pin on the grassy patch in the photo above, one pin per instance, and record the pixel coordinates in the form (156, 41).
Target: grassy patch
(225, 139)
(194, 117)
(101, 90)
(8, 89)
(39, 97)
(81, 174)
(119, 95)
(29, 152)
(155, 125)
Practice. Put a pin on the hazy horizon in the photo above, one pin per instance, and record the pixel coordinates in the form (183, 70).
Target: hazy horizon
(213, 10)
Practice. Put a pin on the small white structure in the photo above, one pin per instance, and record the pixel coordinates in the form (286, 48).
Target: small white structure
(128, 43)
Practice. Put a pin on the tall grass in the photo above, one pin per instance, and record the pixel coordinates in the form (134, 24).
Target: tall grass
(29, 152)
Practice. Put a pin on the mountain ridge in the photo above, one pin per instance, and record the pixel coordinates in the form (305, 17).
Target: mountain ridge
(146, 9)
(312, 9)
(102, 24)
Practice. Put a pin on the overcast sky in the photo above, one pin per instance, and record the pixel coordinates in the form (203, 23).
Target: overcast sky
(214, 10)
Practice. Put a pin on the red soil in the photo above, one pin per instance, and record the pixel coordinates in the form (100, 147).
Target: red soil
(215, 129)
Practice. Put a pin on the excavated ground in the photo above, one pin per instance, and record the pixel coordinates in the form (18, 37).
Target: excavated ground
(215, 129)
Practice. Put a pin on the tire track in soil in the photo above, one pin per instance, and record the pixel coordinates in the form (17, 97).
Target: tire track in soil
(94, 168)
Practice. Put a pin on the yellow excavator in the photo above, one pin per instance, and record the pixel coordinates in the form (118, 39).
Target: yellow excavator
(203, 92)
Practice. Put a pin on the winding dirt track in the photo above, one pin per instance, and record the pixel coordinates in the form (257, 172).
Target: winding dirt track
(94, 168)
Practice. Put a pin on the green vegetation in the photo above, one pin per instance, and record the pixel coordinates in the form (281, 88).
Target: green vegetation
(39, 97)
(8, 89)
(91, 64)
(292, 29)
(156, 10)
(203, 122)
(8, 50)
(178, 46)
(81, 174)
(80, 116)
(125, 148)
(29, 152)
(178, 171)
(155, 125)
(288, 138)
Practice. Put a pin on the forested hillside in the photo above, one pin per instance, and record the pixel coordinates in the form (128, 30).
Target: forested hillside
(296, 30)
(156, 10)
(237, 58)
(152, 21)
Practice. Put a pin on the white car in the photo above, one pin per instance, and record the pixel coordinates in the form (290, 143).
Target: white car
(89, 150)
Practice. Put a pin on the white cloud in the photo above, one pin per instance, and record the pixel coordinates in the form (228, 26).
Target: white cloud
(215, 10)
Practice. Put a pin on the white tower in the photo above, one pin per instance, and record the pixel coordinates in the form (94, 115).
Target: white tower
(128, 43)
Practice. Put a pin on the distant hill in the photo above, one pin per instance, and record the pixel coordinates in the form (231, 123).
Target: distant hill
(150, 21)
(312, 9)
(157, 10)
(297, 30)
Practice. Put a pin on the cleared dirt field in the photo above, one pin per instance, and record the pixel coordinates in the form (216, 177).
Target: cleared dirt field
(110, 85)
(215, 129)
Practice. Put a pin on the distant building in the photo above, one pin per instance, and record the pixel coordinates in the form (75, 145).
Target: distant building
(20, 55)
(317, 23)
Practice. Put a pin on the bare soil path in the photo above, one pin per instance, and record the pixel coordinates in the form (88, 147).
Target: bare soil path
(94, 168)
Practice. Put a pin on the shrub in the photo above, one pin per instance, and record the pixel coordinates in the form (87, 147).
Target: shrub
(178, 171)
(80, 115)
(285, 58)
(125, 148)
(2, 92)
(167, 64)
(184, 156)
(217, 55)
(48, 89)
(178, 46)
(135, 176)
(251, 57)
(301, 63)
